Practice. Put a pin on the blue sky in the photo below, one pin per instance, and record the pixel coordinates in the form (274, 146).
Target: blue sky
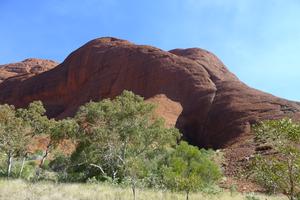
(258, 40)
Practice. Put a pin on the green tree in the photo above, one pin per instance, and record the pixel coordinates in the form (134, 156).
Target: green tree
(14, 134)
(117, 137)
(190, 169)
(34, 116)
(279, 169)
(57, 131)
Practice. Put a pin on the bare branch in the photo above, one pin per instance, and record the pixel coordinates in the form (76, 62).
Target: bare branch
(99, 167)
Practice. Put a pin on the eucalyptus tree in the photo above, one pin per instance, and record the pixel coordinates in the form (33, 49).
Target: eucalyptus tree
(279, 169)
(14, 134)
(34, 116)
(54, 130)
(57, 131)
(118, 137)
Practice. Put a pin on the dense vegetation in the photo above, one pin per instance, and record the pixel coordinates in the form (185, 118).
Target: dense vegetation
(278, 169)
(120, 141)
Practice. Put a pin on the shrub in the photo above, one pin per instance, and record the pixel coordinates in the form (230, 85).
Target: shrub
(279, 171)
(190, 169)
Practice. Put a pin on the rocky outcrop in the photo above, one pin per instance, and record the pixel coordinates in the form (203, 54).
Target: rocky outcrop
(26, 68)
(216, 108)
(166, 108)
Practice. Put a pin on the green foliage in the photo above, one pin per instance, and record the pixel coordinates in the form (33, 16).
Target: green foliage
(190, 169)
(28, 169)
(15, 135)
(14, 131)
(59, 163)
(62, 129)
(34, 115)
(119, 138)
(119, 141)
(18, 127)
(280, 170)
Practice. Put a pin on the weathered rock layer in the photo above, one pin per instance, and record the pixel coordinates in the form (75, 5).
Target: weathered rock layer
(26, 68)
(217, 108)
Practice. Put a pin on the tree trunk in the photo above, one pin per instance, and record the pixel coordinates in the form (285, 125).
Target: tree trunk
(22, 167)
(187, 195)
(114, 175)
(45, 156)
(9, 164)
(133, 190)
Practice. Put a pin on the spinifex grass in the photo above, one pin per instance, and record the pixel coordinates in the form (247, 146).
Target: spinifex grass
(20, 190)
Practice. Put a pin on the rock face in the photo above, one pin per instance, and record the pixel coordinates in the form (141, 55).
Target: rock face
(166, 108)
(214, 108)
(26, 68)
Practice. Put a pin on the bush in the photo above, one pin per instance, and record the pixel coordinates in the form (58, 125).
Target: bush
(190, 169)
(279, 170)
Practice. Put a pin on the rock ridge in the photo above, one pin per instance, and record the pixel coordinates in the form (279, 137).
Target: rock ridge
(216, 108)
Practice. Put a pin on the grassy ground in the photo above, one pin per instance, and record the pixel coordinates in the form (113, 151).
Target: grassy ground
(20, 190)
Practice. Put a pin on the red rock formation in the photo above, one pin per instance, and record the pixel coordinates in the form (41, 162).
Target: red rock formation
(166, 108)
(217, 109)
(26, 68)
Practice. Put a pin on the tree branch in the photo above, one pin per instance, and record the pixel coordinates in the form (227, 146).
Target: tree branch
(99, 167)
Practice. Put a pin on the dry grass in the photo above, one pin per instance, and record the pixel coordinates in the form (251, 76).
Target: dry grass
(20, 190)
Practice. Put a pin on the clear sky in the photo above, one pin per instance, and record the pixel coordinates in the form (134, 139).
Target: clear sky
(258, 40)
